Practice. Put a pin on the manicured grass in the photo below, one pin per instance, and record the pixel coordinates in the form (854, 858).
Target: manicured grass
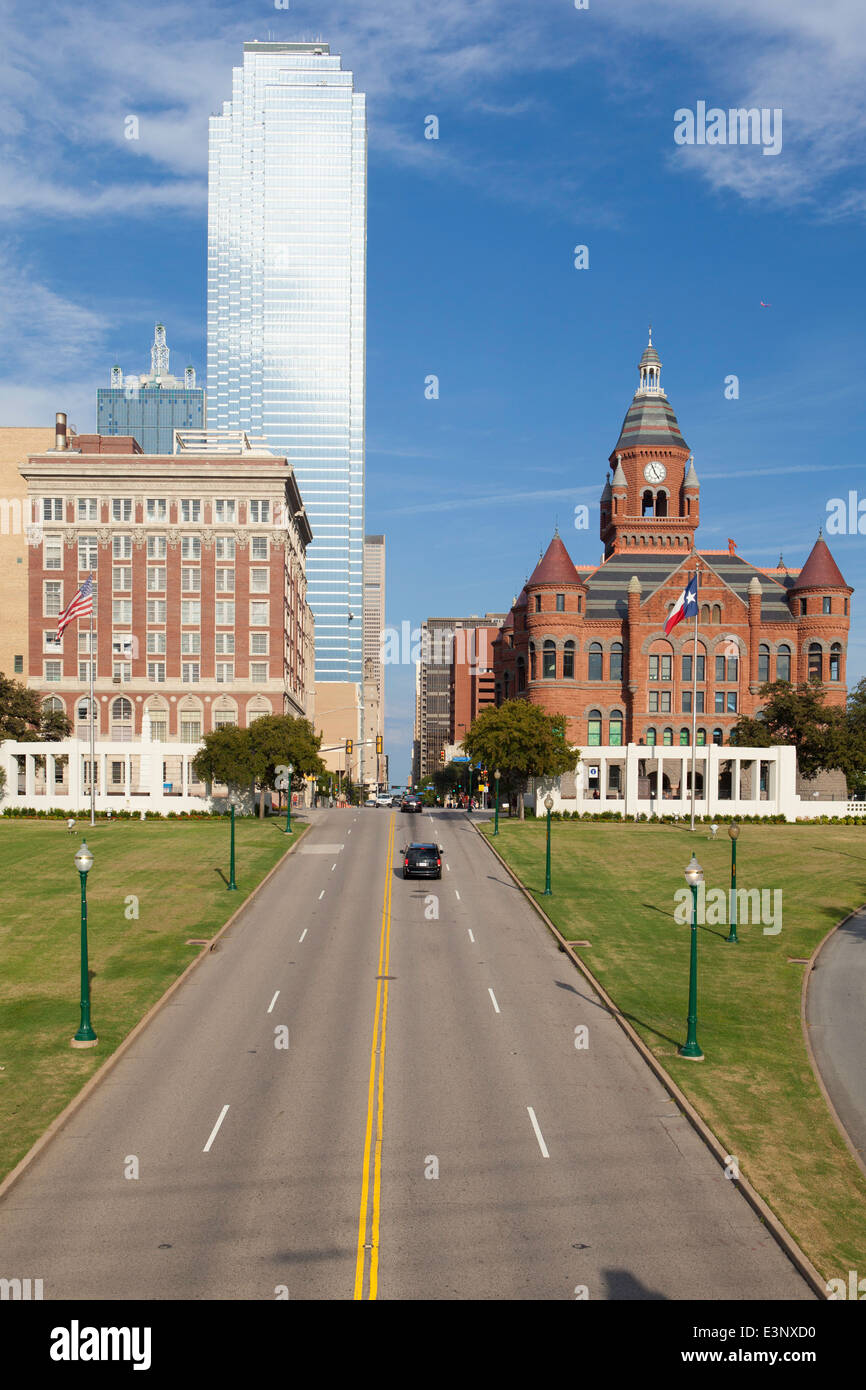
(178, 872)
(613, 885)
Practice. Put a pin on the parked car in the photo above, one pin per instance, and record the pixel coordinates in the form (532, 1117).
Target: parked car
(412, 803)
(422, 861)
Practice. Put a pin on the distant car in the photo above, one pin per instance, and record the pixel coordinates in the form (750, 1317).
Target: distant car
(396, 801)
(412, 803)
(371, 801)
(422, 861)
(383, 801)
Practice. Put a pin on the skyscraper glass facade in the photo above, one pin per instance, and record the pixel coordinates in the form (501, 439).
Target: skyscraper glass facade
(287, 224)
(150, 414)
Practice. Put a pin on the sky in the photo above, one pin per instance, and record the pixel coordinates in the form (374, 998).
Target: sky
(556, 129)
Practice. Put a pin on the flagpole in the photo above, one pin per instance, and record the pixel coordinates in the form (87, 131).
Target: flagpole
(695, 696)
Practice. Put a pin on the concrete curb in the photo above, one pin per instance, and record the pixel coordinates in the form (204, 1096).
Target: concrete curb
(100, 1074)
(807, 974)
(782, 1237)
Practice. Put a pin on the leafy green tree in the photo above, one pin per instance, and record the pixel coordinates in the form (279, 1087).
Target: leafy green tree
(798, 715)
(522, 741)
(226, 757)
(855, 724)
(278, 740)
(22, 717)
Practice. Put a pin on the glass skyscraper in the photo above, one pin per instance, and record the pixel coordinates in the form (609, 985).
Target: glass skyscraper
(287, 221)
(152, 406)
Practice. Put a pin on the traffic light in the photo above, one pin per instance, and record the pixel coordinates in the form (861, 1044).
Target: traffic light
(348, 748)
(379, 743)
(441, 755)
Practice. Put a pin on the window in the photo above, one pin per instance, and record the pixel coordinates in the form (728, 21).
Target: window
(717, 612)
(224, 509)
(594, 728)
(560, 603)
(731, 702)
(190, 547)
(155, 509)
(259, 643)
(52, 509)
(616, 728)
(684, 738)
(84, 671)
(53, 670)
(225, 581)
(816, 672)
(687, 702)
(156, 577)
(156, 547)
(224, 547)
(826, 606)
(845, 601)
(224, 614)
(783, 664)
(224, 643)
(660, 668)
(190, 670)
(804, 607)
(223, 717)
(88, 509)
(666, 668)
(653, 702)
(532, 661)
(687, 667)
(667, 737)
(651, 736)
(718, 737)
(54, 705)
(258, 547)
(88, 553)
(190, 611)
(156, 610)
(156, 644)
(701, 740)
(259, 614)
(521, 675)
(52, 553)
(538, 603)
(835, 660)
(121, 719)
(158, 727)
(156, 672)
(568, 661)
(121, 611)
(720, 702)
(121, 509)
(121, 547)
(225, 674)
(616, 662)
(595, 662)
(259, 581)
(121, 577)
(260, 511)
(190, 643)
(258, 672)
(84, 640)
(548, 661)
(190, 728)
(18, 664)
(190, 509)
(763, 663)
(727, 669)
(51, 645)
(190, 580)
(665, 701)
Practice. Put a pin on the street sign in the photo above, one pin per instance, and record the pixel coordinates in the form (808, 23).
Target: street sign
(461, 760)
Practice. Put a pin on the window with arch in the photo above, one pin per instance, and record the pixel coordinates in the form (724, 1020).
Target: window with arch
(662, 504)
(763, 663)
(532, 661)
(521, 676)
(651, 736)
(52, 704)
(667, 737)
(615, 728)
(568, 661)
(593, 736)
(717, 736)
(705, 613)
(701, 738)
(616, 661)
(684, 738)
(816, 662)
(835, 660)
(783, 663)
(548, 667)
(646, 504)
(595, 662)
(717, 613)
(121, 719)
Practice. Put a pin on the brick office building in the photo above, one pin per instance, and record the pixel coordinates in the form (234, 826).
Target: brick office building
(588, 641)
(472, 680)
(198, 558)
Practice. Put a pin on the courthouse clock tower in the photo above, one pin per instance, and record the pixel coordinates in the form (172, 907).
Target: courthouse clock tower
(652, 501)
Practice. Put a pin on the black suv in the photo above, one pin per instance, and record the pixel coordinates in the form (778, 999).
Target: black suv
(412, 803)
(422, 861)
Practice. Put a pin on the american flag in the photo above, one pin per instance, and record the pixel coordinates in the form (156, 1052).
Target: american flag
(79, 607)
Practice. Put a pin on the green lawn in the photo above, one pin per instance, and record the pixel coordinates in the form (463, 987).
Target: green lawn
(613, 885)
(178, 873)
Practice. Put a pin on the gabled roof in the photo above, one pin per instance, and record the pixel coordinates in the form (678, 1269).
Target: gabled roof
(555, 566)
(820, 570)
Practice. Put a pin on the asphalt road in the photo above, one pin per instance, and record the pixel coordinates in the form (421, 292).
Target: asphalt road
(836, 1018)
(431, 1131)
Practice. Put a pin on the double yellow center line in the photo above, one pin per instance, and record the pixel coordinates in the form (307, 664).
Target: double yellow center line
(370, 1202)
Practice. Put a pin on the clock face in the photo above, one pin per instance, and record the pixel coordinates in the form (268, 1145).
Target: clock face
(655, 472)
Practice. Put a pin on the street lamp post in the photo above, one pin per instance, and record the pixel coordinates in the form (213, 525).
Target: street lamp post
(733, 831)
(691, 1051)
(288, 829)
(548, 802)
(232, 885)
(85, 1037)
(496, 818)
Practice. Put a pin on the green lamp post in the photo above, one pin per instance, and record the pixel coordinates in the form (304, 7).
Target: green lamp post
(548, 803)
(232, 885)
(691, 1051)
(288, 829)
(85, 1037)
(733, 831)
(496, 776)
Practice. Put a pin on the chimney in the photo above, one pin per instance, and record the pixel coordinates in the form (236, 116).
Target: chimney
(60, 440)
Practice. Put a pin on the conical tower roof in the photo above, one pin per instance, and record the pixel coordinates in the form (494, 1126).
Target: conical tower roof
(555, 566)
(820, 570)
(650, 421)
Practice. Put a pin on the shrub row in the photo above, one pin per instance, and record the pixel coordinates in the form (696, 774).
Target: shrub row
(27, 813)
(704, 820)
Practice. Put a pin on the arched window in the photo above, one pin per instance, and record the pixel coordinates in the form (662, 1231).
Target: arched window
(532, 661)
(121, 719)
(568, 661)
(701, 738)
(651, 736)
(646, 505)
(595, 662)
(53, 705)
(717, 736)
(548, 670)
(763, 663)
(616, 728)
(82, 718)
(816, 662)
(667, 737)
(521, 673)
(662, 504)
(594, 728)
(717, 612)
(616, 661)
(783, 663)
(705, 613)
(835, 660)
(684, 738)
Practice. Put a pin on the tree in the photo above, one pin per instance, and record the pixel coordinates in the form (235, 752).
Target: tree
(23, 718)
(280, 740)
(855, 726)
(798, 715)
(522, 741)
(226, 757)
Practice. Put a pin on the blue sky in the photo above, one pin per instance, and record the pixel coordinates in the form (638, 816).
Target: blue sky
(556, 129)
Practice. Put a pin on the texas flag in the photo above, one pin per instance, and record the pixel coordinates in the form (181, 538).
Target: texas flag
(685, 607)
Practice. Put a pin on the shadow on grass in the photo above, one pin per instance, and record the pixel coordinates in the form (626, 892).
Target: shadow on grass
(222, 876)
